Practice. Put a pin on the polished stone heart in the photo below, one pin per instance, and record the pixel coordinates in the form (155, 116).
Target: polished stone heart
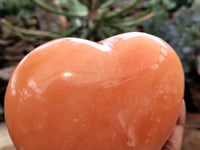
(123, 93)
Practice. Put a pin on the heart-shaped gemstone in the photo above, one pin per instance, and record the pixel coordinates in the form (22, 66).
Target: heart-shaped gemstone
(123, 93)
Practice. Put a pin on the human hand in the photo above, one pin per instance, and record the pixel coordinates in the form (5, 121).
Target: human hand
(175, 140)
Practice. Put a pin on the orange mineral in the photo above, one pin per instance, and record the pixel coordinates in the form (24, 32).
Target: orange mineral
(123, 93)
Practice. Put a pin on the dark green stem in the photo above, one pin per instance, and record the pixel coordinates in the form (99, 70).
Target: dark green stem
(108, 3)
(125, 9)
(69, 32)
(27, 35)
(127, 23)
(52, 10)
(86, 35)
(15, 30)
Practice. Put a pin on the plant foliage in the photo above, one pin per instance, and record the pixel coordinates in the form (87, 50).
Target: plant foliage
(22, 9)
(168, 4)
(90, 19)
(96, 19)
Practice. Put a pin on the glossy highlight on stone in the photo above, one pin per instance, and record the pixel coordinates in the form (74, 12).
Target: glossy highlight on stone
(122, 93)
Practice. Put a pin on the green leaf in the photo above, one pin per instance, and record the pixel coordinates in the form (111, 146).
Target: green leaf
(108, 3)
(76, 7)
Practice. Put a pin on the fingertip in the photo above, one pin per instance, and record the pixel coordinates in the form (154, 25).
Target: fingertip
(182, 114)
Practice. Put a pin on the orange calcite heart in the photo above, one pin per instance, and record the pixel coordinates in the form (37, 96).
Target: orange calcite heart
(123, 93)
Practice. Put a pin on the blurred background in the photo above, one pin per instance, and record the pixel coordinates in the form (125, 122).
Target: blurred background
(26, 24)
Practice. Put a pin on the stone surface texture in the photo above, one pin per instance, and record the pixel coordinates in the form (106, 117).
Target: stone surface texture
(190, 141)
